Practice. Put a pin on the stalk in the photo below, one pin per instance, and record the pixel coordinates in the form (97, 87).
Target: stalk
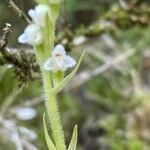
(53, 114)
(50, 100)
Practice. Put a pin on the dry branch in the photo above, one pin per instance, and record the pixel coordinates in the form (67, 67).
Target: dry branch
(19, 11)
(23, 64)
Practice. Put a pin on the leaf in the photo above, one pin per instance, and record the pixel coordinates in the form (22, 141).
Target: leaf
(48, 140)
(63, 83)
(73, 142)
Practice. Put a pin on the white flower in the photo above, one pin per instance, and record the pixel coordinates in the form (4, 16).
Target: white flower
(32, 35)
(39, 14)
(59, 60)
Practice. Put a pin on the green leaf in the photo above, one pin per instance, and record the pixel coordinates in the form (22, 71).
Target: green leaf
(73, 142)
(48, 139)
(63, 83)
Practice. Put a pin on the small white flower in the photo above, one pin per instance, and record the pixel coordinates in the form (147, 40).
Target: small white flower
(39, 14)
(59, 60)
(32, 35)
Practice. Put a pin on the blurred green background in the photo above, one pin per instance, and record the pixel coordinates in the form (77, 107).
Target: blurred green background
(109, 99)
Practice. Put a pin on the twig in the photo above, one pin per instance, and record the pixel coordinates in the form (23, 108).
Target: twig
(9, 100)
(23, 64)
(28, 145)
(30, 102)
(19, 11)
(34, 101)
(10, 130)
(4, 39)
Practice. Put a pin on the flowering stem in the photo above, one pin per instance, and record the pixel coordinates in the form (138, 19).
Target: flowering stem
(53, 113)
(50, 100)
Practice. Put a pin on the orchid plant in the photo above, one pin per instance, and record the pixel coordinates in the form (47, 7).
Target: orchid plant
(53, 62)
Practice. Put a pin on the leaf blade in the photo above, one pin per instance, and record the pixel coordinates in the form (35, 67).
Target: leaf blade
(73, 142)
(49, 142)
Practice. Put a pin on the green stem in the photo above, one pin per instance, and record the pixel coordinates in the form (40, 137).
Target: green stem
(42, 53)
(54, 115)
(52, 110)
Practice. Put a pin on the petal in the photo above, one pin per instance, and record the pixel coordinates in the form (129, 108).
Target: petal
(32, 29)
(42, 8)
(34, 34)
(48, 65)
(38, 39)
(59, 49)
(41, 11)
(69, 62)
(32, 13)
(38, 15)
(23, 38)
(59, 62)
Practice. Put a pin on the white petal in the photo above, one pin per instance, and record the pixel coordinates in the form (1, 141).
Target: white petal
(23, 38)
(38, 39)
(32, 35)
(32, 13)
(38, 15)
(59, 62)
(48, 65)
(59, 49)
(69, 62)
(32, 28)
(42, 8)
(35, 34)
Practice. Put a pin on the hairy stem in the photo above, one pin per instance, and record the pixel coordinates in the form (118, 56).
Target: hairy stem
(52, 108)
(42, 53)
(53, 114)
